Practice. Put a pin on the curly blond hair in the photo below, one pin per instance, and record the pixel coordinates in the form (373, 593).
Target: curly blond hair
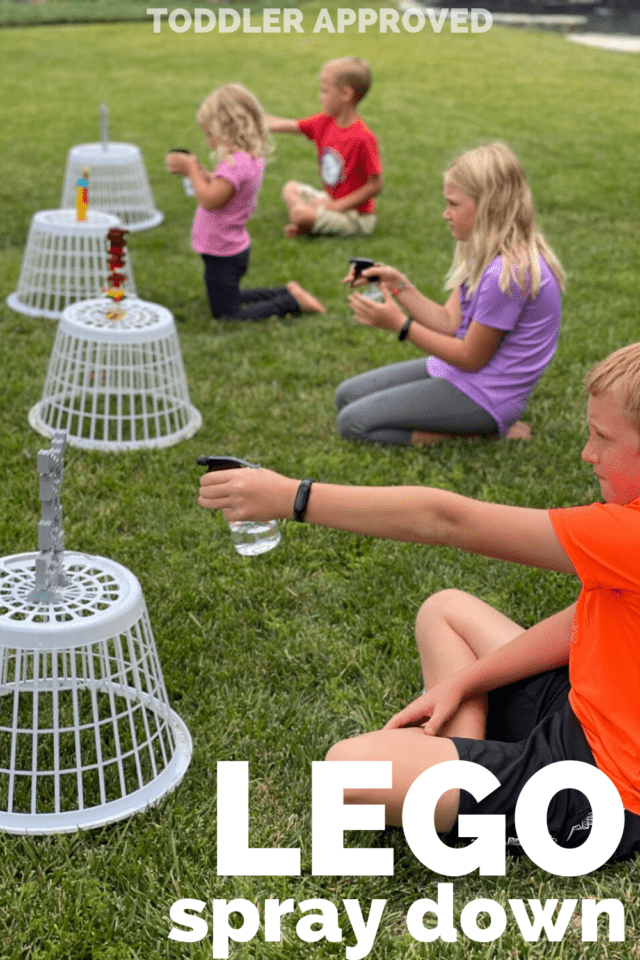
(235, 118)
(505, 222)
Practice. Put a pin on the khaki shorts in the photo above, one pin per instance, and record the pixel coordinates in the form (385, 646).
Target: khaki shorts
(334, 223)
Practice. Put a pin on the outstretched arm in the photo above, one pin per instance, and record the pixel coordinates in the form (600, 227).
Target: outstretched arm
(412, 514)
(281, 124)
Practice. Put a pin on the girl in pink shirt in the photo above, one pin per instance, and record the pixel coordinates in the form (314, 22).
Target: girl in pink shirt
(234, 125)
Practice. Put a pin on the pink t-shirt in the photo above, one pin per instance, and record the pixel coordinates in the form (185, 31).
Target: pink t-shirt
(530, 327)
(223, 232)
(347, 156)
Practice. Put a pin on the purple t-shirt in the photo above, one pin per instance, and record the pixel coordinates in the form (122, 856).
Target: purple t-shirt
(531, 328)
(223, 232)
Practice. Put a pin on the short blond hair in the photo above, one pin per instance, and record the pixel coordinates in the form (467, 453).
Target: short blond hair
(235, 118)
(351, 72)
(620, 374)
(505, 224)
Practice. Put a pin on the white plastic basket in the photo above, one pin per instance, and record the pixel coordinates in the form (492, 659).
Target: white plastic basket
(87, 735)
(116, 384)
(65, 260)
(118, 183)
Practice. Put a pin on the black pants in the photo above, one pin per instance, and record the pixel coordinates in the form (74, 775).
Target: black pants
(530, 724)
(222, 277)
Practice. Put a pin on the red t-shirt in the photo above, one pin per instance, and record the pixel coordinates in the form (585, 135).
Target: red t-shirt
(347, 156)
(602, 541)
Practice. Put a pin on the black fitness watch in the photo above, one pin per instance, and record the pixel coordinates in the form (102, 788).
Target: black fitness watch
(405, 329)
(302, 499)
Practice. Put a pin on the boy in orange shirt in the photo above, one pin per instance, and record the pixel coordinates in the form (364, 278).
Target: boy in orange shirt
(496, 695)
(348, 157)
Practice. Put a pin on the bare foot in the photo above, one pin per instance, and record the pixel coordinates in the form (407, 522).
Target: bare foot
(426, 437)
(306, 301)
(519, 431)
(291, 230)
(419, 437)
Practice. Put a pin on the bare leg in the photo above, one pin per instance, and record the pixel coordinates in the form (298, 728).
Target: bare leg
(290, 193)
(454, 628)
(301, 215)
(411, 753)
(306, 301)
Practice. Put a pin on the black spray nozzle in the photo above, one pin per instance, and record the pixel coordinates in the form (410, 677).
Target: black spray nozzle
(360, 264)
(224, 463)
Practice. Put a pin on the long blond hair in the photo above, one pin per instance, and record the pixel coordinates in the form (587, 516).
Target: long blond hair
(505, 223)
(235, 118)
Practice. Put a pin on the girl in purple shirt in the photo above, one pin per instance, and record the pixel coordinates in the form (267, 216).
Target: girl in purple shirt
(489, 343)
(234, 125)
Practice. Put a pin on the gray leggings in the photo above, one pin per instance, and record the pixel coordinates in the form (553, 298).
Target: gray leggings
(386, 405)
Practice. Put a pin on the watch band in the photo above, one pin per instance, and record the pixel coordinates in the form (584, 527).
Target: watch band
(405, 329)
(302, 499)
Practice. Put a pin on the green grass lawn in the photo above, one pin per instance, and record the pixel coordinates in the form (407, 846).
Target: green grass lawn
(272, 659)
(20, 13)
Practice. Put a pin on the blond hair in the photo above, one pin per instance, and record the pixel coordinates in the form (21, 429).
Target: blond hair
(505, 226)
(351, 72)
(235, 118)
(620, 374)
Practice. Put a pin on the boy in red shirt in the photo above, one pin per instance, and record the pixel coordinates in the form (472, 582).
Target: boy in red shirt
(497, 695)
(348, 157)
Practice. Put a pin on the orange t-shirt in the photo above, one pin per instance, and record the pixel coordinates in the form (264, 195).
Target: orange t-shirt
(603, 543)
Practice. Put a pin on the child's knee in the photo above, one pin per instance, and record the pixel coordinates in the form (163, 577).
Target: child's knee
(438, 606)
(290, 191)
(340, 397)
(349, 427)
(350, 749)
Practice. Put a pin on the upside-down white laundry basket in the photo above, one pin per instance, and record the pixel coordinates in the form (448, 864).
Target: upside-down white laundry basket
(87, 735)
(65, 260)
(118, 183)
(116, 384)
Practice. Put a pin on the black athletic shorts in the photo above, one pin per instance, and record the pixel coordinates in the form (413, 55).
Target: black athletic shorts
(530, 724)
